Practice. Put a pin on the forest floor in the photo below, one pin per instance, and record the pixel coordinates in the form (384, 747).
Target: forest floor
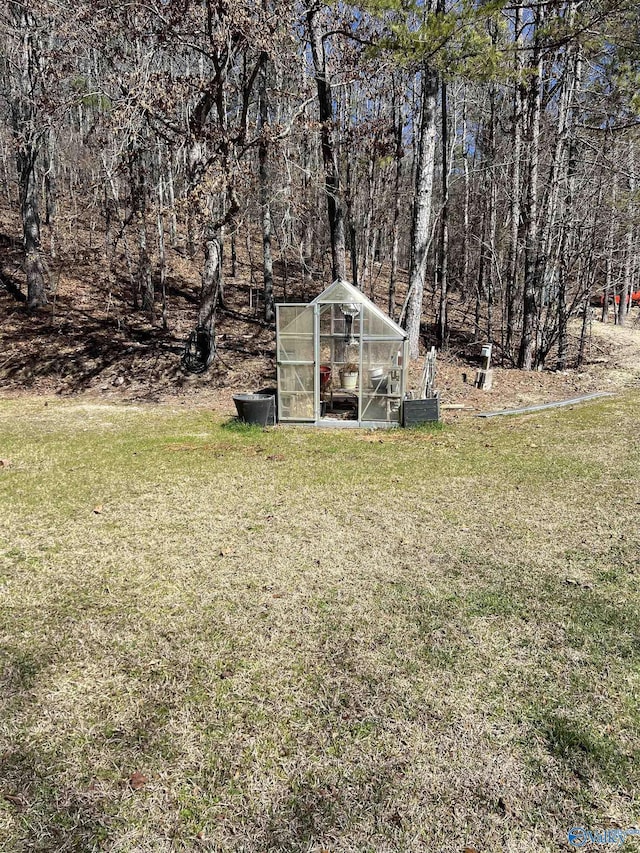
(226, 639)
(89, 341)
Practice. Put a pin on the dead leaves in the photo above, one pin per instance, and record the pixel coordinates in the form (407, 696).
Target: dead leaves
(137, 780)
(16, 800)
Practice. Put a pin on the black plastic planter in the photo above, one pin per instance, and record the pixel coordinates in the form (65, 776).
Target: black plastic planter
(259, 409)
(416, 412)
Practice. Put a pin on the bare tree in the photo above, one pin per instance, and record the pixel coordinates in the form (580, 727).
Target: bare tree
(23, 69)
(335, 206)
(420, 231)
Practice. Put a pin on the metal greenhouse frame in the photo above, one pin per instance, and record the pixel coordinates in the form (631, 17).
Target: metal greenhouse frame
(340, 361)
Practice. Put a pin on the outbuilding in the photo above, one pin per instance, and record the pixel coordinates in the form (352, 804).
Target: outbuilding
(341, 361)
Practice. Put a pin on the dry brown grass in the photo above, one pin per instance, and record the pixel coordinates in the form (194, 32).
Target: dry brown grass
(296, 640)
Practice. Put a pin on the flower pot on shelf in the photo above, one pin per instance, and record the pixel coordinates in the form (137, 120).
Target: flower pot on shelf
(349, 379)
(378, 380)
(325, 377)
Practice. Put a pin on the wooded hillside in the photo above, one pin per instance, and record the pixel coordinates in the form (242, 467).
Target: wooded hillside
(436, 154)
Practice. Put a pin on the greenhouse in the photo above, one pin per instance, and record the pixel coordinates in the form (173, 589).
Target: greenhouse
(341, 361)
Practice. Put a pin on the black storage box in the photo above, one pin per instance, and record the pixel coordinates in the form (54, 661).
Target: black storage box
(415, 412)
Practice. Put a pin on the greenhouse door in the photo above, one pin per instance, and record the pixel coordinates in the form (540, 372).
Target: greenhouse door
(296, 363)
(339, 333)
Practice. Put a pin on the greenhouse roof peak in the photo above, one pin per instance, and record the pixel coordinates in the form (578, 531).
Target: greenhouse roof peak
(344, 291)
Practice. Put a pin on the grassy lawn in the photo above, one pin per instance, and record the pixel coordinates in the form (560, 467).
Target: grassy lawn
(293, 640)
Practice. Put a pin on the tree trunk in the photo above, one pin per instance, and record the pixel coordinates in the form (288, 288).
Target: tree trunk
(464, 283)
(530, 212)
(28, 139)
(353, 242)
(395, 238)
(492, 200)
(209, 296)
(608, 279)
(50, 192)
(267, 259)
(335, 208)
(145, 277)
(626, 289)
(139, 204)
(443, 322)
(193, 170)
(110, 216)
(426, 145)
(368, 217)
(173, 223)
(162, 256)
(513, 263)
(234, 255)
(35, 268)
(569, 237)
(481, 282)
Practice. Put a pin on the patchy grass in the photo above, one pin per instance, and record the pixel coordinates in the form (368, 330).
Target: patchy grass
(224, 639)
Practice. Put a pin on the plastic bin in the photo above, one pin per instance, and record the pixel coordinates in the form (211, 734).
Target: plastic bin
(259, 409)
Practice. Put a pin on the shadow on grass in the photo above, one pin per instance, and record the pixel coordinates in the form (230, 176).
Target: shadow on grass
(50, 817)
(235, 425)
(427, 427)
(599, 624)
(584, 752)
(317, 807)
(47, 815)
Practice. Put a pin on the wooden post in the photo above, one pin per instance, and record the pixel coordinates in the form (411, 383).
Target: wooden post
(484, 376)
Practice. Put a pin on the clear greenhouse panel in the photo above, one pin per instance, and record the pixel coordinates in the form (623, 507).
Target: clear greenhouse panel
(376, 326)
(296, 391)
(295, 348)
(339, 291)
(295, 320)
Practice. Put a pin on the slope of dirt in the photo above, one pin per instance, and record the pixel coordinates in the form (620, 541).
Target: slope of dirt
(88, 340)
(617, 350)
(611, 363)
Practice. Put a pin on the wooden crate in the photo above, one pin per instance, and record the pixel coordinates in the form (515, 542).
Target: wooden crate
(416, 412)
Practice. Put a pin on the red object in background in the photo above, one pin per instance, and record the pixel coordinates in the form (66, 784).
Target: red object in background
(325, 376)
(635, 298)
